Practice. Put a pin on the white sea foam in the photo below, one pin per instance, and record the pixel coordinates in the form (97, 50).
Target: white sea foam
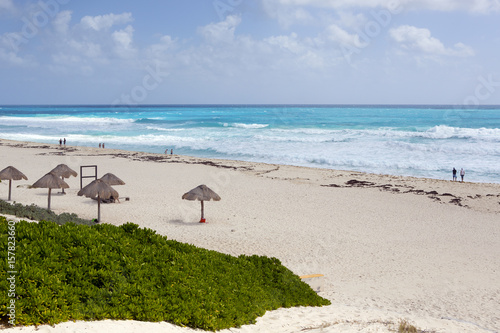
(307, 131)
(50, 121)
(297, 139)
(446, 132)
(247, 126)
(155, 140)
(436, 132)
(162, 129)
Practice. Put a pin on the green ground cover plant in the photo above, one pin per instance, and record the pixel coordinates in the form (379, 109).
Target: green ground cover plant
(80, 272)
(34, 212)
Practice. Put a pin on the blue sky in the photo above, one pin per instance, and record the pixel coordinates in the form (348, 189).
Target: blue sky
(250, 51)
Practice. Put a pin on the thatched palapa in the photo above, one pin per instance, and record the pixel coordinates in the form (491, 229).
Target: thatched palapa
(111, 179)
(64, 171)
(100, 190)
(201, 193)
(10, 173)
(50, 181)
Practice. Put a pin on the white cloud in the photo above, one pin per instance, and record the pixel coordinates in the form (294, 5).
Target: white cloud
(85, 48)
(420, 40)
(287, 15)
(355, 21)
(61, 21)
(339, 35)
(475, 6)
(297, 54)
(166, 44)
(6, 4)
(222, 31)
(224, 53)
(89, 45)
(12, 58)
(290, 43)
(123, 42)
(9, 50)
(103, 22)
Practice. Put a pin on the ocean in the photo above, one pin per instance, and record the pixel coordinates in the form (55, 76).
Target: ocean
(410, 140)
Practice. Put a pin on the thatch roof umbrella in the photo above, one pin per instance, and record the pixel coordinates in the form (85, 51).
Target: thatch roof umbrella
(50, 181)
(10, 173)
(64, 171)
(201, 193)
(100, 190)
(111, 179)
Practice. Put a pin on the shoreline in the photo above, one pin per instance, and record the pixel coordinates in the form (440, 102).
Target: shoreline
(390, 247)
(465, 196)
(220, 160)
(188, 159)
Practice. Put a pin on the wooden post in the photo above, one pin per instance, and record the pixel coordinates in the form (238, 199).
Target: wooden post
(10, 186)
(82, 176)
(98, 208)
(49, 197)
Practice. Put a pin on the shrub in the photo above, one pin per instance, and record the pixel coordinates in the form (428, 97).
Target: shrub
(79, 272)
(34, 212)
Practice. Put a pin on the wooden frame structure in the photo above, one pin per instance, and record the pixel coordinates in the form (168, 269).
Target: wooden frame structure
(82, 176)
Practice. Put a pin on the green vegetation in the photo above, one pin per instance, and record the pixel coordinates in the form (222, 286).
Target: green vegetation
(80, 272)
(33, 212)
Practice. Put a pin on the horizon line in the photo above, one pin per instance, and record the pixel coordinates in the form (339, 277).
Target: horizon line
(252, 104)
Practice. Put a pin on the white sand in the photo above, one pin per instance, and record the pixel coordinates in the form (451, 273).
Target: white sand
(386, 255)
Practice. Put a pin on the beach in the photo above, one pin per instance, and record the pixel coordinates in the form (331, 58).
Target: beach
(390, 248)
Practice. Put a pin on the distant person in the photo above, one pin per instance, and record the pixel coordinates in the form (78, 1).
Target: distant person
(100, 145)
(462, 174)
(166, 151)
(60, 142)
(64, 141)
(103, 145)
(171, 151)
(454, 174)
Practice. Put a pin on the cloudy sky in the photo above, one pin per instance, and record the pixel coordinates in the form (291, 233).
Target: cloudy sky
(250, 51)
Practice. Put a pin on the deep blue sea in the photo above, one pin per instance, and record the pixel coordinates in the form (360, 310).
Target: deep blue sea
(421, 141)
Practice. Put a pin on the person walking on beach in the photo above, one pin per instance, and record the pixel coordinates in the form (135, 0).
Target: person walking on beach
(462, 174)
(454, 174)
(64, 141)
(60, 142)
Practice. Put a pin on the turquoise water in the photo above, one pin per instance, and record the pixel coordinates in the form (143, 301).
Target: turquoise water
(422, 141)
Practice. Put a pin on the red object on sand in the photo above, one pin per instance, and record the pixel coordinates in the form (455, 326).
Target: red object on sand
(202, 221)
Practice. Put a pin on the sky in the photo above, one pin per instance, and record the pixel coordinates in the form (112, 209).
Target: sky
(250, 52)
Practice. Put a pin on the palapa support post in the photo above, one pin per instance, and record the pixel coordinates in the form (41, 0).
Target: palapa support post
(50, 190)
(98, 209)
(10, 187)
(202, 213)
